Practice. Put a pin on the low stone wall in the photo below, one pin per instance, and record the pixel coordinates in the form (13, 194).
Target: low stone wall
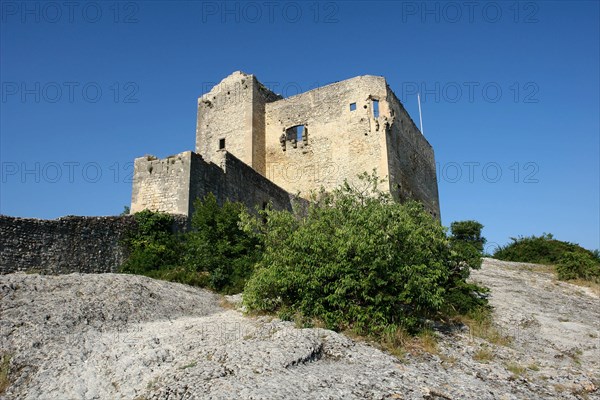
(173, 184)
(65, 245)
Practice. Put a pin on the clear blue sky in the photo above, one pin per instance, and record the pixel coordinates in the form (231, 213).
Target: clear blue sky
(510, 95)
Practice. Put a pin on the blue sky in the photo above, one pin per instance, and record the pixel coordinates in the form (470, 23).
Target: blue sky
(510, 95)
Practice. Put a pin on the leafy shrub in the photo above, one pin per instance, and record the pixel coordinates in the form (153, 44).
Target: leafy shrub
(578, 265)
(467, 232)
(357, 260)
(218, 246)
(152, 246)
(216, 253)
(466, 248)
(542, 249)
(572, 261)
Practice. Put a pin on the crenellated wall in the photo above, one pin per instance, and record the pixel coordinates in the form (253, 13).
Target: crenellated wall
(162, 185)
(173, 184)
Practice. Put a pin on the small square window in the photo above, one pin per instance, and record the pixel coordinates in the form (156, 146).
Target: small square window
(352, 106)
(221, 144)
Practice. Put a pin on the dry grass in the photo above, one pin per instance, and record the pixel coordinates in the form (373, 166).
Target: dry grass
(595, 287)
(551, 269)
(398, 342)
(451, 360)
(481, 325)
(483, 355)
(4, 372)
(533, 366)
(515, 368)
(395, 342)
(226, 304)
(427, 341)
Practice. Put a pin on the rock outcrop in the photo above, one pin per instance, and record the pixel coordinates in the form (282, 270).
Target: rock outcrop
(114, 336)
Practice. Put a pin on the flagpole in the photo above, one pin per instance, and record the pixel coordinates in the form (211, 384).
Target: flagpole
(420, 117)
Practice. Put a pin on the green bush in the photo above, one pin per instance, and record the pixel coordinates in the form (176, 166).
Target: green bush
(215, 253)
(571, 260)
(355, 260)
(218, 246)
(578, 265)
(542, 249)
(466, 248)
(467, 232)
(358, 260)
(151, 244)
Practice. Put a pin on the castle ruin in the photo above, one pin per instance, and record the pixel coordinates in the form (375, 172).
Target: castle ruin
(256, 147)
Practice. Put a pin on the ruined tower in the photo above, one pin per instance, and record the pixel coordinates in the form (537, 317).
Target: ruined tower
(232, 116)
(254, 146)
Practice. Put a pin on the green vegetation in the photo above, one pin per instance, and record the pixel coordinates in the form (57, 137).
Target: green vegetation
(153, 248)
(356, 261)
(466, 248)
(217, 245)
(577, 265)
(360, 261)
(571, 260)
(216, 253)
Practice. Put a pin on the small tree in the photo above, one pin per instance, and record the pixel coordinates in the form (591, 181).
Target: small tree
(468, 232)
(217, 245)
(466, 246)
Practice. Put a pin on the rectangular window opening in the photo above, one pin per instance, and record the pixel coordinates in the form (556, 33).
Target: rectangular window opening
(221, 144)
(297, 133)
(352, 106)
(376, 108)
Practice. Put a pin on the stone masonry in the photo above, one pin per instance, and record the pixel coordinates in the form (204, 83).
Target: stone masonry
(68, 244)
(256, 147)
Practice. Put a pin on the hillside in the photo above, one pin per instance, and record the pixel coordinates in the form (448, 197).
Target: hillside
(115, 336)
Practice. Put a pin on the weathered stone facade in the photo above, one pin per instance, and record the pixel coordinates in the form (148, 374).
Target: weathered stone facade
(246, 133)
(67, 244)
(172, 184)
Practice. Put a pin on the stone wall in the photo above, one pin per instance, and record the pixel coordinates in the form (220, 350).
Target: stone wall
(345, 137)
(340, 142)
(172, 184)
(232, 115)
(65, 245)
(412, 173)
(242, 183)
(350, 127)
(261, 96)
(162, 185)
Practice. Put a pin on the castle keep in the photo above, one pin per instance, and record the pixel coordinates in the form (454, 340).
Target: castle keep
(252, 146)
(256, 147)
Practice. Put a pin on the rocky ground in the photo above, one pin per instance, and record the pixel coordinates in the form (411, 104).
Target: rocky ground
(128, 337)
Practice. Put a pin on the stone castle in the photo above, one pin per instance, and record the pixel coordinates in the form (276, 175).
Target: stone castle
(252, 146)
(256, 147)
